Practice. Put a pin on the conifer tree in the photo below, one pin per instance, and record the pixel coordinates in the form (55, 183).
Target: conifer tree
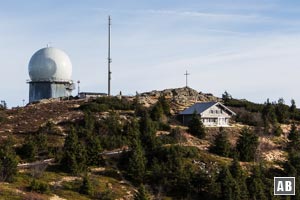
(132, 130)
(157, 112)
(113, 123)
(282, 111)
(221, 145)
(292, 109)
(292, 165)
(89, 122)
(142, 194)
(256, 186)
(247, 145)
(41, 140)
(94, 150)
(138, 108)
(240, 178)
(293, 146)
(8, 161)
(86, 186)
(137, 162)
(226, 97)
(230, 189)
(74, 154)
(236, 169)
(277, 130)
(148, 133)
(165, 105)
(294, 136)
(196, 126)
(29, 149)
(269, 115)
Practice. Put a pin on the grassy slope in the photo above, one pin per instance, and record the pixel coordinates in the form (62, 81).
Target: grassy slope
(29, 119)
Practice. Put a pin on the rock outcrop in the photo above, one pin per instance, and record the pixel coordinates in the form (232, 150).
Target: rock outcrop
(180, 97)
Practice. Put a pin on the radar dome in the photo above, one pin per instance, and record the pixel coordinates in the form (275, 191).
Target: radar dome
(50, 64)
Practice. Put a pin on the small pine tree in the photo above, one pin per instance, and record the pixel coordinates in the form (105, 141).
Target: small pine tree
(137, 163)
(196, 126)
(8, 161)
(255, 185)
(247, 145)
(294, 134)
(277, 130)
(74, 154)
(269, 115)
(142, 194)
(94, 149)
(86, 187)
(292, 109)
(148, 133)
(240, 178)
(89, 121)
(165, 105)
(3, 105)
(29, 149)
(226, 97)
(221, 145)
(138, 108)
(294, 143)
(157, 112)
(282, 111)
(132, 130)
(235, 168)
(113, 124)
(41, 139)
(230, 189)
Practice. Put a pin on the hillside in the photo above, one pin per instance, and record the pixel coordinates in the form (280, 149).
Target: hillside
(126, 141)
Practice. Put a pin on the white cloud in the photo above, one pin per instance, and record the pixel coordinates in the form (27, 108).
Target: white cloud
(210, 15)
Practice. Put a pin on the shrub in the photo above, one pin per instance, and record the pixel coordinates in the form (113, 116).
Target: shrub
(103, 104)
(29, 149)
(94, 107)
(278, 131)
(196, 127)
(39, 186)
(164, 126)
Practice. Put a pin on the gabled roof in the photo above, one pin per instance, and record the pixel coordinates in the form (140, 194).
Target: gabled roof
(201, 107)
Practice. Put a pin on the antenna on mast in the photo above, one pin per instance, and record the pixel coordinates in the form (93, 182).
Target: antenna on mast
(109, 58)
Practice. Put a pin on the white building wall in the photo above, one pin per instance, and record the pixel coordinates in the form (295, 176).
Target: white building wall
(215, 116)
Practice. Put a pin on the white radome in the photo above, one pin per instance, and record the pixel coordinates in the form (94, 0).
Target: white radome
(50, 64)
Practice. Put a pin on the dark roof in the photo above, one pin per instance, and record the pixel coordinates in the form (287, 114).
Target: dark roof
(92, 93)
(201, 107)
(198, 107)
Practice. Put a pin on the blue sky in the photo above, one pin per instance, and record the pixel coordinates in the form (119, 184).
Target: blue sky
(249, 48)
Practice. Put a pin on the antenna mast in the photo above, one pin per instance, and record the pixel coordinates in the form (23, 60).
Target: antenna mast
(109, 58)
